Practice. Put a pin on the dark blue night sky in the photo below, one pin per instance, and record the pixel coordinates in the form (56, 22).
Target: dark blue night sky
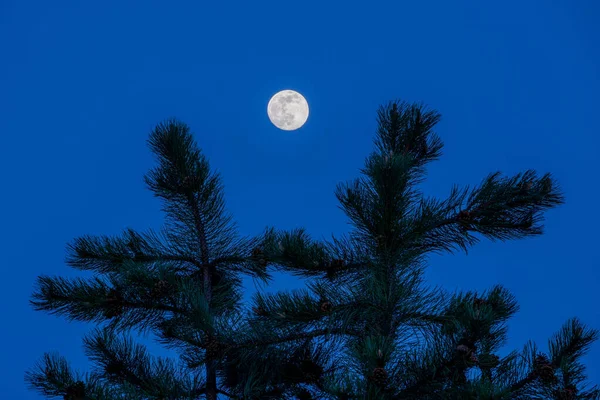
(83, 83)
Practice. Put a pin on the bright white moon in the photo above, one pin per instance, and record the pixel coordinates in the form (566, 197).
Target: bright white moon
(288, 110)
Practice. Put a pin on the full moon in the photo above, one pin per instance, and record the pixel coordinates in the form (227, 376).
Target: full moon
(288, 110)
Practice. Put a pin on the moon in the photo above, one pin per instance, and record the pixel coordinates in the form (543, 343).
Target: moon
(288, 110)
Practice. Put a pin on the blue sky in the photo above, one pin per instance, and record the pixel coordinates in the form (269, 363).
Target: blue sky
(83, 83)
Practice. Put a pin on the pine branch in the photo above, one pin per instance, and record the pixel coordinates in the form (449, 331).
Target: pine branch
(77, 298)
(123, 362)
(108, 254)
(125, 306)
(571, 342)
(52, 377)
(503, 209)
(566, 349)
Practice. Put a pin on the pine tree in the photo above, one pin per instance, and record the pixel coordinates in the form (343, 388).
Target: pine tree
(366, 326)
(183, 284)
(367, 322)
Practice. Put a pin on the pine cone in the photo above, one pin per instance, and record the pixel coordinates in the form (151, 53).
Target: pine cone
(326, 307)
(75, 391)
(259, 255)
(543, 369)
(526, 187)
(540, 360)
(464, 216)
(379, 376)
(546, 374)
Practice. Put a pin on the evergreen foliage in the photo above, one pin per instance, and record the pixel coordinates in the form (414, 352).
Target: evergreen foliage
(365, 327)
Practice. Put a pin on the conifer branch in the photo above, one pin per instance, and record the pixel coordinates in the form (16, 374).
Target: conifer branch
(109, 254)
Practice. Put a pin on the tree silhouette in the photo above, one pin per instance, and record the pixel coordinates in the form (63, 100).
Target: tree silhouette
(365, 327)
